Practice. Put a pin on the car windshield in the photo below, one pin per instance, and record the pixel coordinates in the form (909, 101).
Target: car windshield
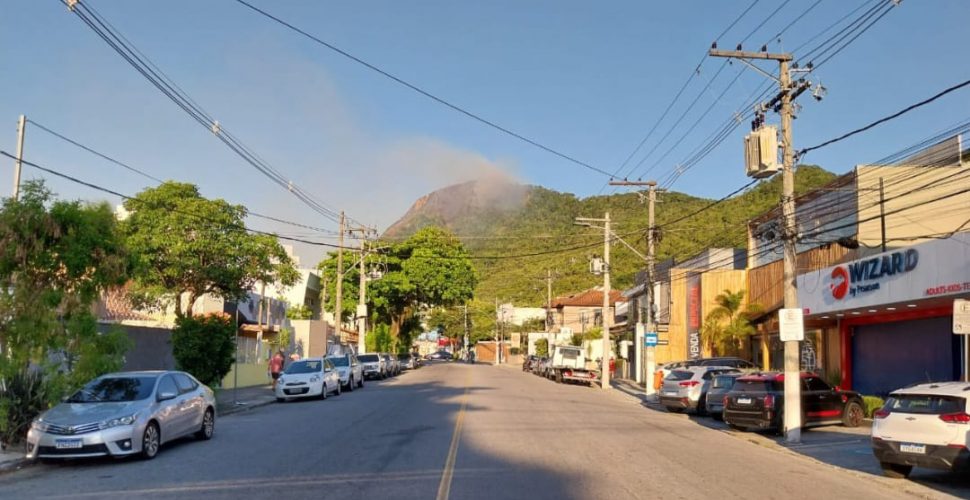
(115, 389)
(305, 366)
(368, 358)
(404, 357)
(925, 404)
(341, 361)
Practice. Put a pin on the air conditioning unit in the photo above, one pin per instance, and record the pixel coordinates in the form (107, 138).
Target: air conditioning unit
(761, 152)
(597, 266)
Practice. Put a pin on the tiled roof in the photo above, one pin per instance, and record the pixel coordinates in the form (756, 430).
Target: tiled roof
(588, 298)
(115, 306)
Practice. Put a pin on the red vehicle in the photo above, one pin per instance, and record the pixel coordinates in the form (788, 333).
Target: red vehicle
(757, 402)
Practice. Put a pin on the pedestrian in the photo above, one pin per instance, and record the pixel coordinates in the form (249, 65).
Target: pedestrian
(276, 366)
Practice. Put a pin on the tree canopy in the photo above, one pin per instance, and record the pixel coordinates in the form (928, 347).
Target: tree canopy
(189, 246)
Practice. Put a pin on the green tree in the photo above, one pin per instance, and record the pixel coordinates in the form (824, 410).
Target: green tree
(727, 326)
(190, 246)
(299, 312)
(542, 347)
(205, 346)
(56, 258)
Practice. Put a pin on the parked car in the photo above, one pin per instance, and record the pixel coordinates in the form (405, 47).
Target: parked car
(720, 385)
(308, 378)
(349, 369)
(406, 361)
(528, 361)
(757, 402)
(373, 366)
(393, 367)
(124, 413)
(418, 361)
(734, 362)
(685, 389)
(544, 367)
(923, 425)
(440, 356)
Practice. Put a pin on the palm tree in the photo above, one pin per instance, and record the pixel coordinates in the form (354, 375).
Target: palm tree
(727, 325)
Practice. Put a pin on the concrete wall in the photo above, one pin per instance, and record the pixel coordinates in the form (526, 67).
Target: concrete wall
(249, 375)
(151, 347)
(310, 337)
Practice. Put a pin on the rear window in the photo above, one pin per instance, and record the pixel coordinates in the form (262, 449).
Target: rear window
(678, 375)
(757, 386)
(925, 404)
(723, 381)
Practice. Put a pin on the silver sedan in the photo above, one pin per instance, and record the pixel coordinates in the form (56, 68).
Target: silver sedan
(122, 414)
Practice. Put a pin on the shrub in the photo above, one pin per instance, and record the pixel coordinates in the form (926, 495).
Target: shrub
(514, 351)
(872, 403)
(204, 346)
(23, 396)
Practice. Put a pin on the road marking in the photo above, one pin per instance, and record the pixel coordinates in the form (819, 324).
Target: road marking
(444, 487)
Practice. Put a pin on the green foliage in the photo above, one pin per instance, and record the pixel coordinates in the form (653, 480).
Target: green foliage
(542, 347)
(191, 245)
(204, 346)
(23, 395)
(544, 221)
(379, 339)
(872, 403)
(514, 351)
(56, 257)
(429, 269)
(727, 326)
(299, 312)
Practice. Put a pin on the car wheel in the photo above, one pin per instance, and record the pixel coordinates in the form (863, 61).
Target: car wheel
(360, 383)
(208, 425)
(338, 388)
(350, 384)
(150, 441)
(558, 377)
(716, 416)
(853, 415)
(675, 409)
(895, 471)
(323, 390)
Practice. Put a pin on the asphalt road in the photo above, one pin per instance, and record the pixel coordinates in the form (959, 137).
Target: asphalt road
(462, 432)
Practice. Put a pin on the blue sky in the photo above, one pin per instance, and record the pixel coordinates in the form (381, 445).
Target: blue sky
(586, 78)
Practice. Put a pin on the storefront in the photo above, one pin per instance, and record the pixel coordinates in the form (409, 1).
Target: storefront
(893, 311)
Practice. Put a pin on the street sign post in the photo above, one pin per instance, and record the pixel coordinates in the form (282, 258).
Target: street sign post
(650, 340)
(790, 324)
(961, 317)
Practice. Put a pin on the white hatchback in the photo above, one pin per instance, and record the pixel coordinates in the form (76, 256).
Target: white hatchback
(924, 425)
(306, 378)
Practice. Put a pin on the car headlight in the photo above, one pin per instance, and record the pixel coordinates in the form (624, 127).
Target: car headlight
(315, 378)
(115, 422)
(39, 425)
(280, 380)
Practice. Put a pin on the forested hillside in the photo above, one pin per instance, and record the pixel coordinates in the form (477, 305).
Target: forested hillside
(515, 237)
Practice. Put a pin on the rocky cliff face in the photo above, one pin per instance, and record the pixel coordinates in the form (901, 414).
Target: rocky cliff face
(451, 207)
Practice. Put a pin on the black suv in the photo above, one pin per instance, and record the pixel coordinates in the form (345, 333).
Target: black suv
(757, 402)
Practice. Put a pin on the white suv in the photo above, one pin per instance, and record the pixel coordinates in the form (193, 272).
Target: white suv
(924, 425)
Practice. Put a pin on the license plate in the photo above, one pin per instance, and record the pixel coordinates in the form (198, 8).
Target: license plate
(913, 448)
(744, 401)
(68, 444)
(670, 393)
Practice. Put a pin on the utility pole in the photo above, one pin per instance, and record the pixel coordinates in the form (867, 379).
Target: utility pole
(497, 325)
(338, 299)
(362, 301)
(607, 317)
(18, 164)
(792, 401)
(651, 326)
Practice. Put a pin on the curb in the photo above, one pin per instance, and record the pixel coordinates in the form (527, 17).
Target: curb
(15, 465)
(230, 409)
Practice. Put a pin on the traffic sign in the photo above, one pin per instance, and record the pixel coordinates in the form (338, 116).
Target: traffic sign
(961, 316)
(650, 339)
(791, 326)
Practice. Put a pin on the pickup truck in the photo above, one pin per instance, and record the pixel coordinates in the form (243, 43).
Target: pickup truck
(569, 364)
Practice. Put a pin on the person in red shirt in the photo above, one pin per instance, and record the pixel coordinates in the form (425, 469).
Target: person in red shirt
(276, 366)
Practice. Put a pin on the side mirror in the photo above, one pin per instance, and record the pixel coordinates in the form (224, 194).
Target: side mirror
(165, 396)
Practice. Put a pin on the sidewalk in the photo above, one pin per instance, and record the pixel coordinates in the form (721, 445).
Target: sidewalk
(843, 447)
(229, 401)
(247, 398)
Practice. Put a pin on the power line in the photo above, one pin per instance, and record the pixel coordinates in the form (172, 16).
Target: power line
(885, 119)
(127, 197)
(173, 92)
(475, 116)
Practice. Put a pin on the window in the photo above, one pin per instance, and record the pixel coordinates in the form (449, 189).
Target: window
(167, 385)
(816, 384)
(327, 365)
(304, 366)
(678, 375)
(114, 389)
(723, 381)
(184, 383)
(925, 404)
